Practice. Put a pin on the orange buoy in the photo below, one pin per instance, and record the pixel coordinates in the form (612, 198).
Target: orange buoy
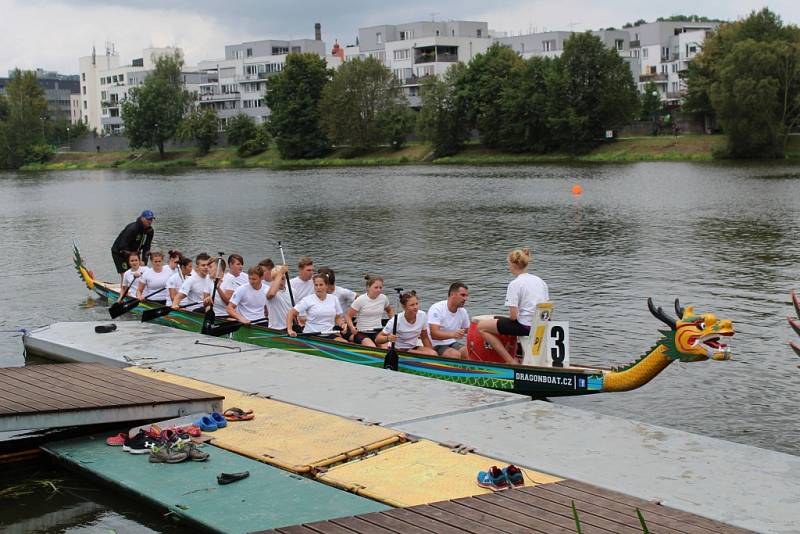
(576, 189)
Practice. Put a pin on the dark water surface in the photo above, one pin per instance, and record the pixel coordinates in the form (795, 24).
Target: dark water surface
(722, 237)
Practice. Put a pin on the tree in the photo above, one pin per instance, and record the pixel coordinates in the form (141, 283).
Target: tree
(486, 78)
(649, 102)
(397, 123)
(756, 99)
(293, 97)
(442, 119)
(200, 125)
(153, 111)
(591, 90)
(240, 128)
(361, 92)
(22, 130)
(523, 107)
(256, 144)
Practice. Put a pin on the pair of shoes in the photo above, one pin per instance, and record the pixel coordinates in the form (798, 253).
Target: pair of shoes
(211, 422)
(237, 414)
(164, 452)
(141, 443)
(117, 440)
(499, 479)
(192, 451)
(227, 478)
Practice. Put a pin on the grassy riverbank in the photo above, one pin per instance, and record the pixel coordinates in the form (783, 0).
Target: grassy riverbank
(665, 148)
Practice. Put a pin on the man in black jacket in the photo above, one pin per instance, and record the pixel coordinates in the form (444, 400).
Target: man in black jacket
(135, 237)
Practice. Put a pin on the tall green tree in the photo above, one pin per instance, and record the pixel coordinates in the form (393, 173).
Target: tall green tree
(293, 97)
(153, 111)
(442, 119)
(356, 102)
(396, 123)
(240, 128)
(649, 102)
(487, 77)
(591, 90)
(200, 125)
(523, 125)
(22, 130)
(747, 77)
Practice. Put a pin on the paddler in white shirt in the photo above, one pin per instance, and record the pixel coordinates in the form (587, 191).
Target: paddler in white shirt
(302, 284)
(183, 269)
(195, 287)
(131, 277)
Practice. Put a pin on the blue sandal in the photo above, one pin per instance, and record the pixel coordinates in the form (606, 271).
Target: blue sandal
(206, 424)
(219, 419)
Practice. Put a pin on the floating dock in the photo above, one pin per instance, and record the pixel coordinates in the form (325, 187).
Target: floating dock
(413, 417)
(76, 394)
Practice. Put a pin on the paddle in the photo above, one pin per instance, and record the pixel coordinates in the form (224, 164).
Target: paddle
(228, 327)
(391, 361)
(121, 308)
(115, 308)
(288, 282)
(208, 320)
(155, 313)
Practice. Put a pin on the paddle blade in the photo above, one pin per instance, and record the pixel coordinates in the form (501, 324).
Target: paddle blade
(155, 313)
(208, 322)
(121, 308)
(391, 361)
(795, 325)
(224, 329)
(796, 302)
(795, 347)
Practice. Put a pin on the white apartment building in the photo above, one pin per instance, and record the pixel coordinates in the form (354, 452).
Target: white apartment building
(237, 83)
(664, 50)
(75, 108)
(105, 84)
(418, 49)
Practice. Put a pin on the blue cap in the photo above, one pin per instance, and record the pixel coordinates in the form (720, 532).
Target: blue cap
(148, 214)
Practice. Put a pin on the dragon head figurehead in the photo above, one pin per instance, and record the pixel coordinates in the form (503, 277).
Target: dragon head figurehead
(693, 337)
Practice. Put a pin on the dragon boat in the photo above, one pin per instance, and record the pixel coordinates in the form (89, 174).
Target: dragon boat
(691, 337)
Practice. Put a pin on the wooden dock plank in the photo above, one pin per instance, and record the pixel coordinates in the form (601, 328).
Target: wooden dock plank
(395, 525)
(46, 392)
(471, 520)
(359, 525)
(71, 392)
(122, 390)
(540, 519)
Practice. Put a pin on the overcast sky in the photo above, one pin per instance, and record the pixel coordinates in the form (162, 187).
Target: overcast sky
(52, 34)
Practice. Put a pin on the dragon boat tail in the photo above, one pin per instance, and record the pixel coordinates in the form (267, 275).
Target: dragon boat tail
(691, 337)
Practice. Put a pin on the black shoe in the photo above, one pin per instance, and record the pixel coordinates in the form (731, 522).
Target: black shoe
(227, 478)
(141, 443)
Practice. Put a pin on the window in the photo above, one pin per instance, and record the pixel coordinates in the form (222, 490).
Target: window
(279, 50)
(675, 88)
(644, 53)
(674, 67)
(522, 47)
(663, 69)
(549, 46)
(103, 96)
(619, 44)
(379, 38)
(115, 79)
(635, 53)
(425, 71)
(479, 32)
(84, 89)
(249, 52)
(665, 51)
(437, 33)
(296, 50)
(239, 54)
(85, 105)
(453, 33)
(406, 35)
(402, 54)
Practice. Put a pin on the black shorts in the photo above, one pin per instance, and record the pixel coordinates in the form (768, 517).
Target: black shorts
(361, 336)
(509, 327)
(120, 262)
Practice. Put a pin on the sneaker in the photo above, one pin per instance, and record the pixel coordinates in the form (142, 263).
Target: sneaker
(514, 475)
(163, 453)
(191, 450)
(141, 443)
(493, 479)
(117, 440)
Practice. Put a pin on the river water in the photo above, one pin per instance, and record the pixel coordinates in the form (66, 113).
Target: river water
(721, 237)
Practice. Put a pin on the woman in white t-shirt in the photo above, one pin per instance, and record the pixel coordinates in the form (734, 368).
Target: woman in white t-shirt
(368, 310)
(153, 283)
(174, 283)
(318, 312)
(412, 336)
(522, 296)
(130, 279)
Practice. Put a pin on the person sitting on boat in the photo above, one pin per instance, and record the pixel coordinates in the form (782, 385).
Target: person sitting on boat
(182, 271)
(278, 301)
(231, 281)
(267, 265)
(522, 296)
(318, 312)
(130, 278)
(368, 310)
(173, 256)
(153, 283)
(345, 296)
(195, 287)
(249, 302)
(216, 271)
(302, 284)
(412, 336)
(448, 323)
(135, 237)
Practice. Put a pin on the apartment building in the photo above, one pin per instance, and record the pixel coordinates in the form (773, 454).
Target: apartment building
(418, 49)
(105, 83)
(58, 91)
(664, 50)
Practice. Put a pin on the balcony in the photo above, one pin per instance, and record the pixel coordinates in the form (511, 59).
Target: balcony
(654, 77)
(674, 96)
(436, 54)
(635, 44)
(219, 97)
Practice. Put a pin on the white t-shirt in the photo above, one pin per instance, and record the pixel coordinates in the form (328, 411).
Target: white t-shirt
(300, 289)
(345, 296)
(407, 333)
(250, 302)
(175, 281)
(195, 287)
(154, 281)
(278, 307)
(320, 314)
(128, 278)
(441, 315)
(369, 311)
(229, 282)
(525, 292)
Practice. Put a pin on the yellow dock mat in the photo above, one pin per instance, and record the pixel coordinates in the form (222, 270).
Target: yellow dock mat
(418, 473)
(291, 437)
